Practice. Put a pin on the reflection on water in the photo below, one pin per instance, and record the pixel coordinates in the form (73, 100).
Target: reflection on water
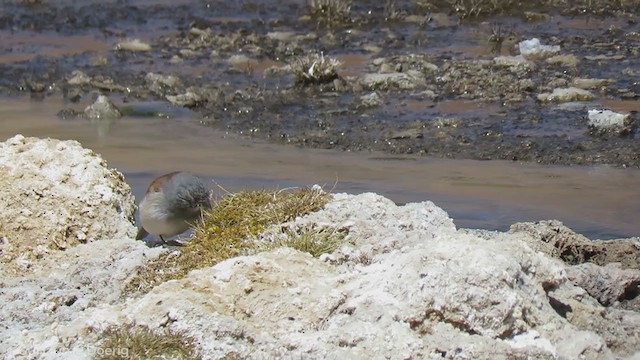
(600, 202)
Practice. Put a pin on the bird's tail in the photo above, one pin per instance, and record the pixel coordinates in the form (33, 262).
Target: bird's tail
(142, 233)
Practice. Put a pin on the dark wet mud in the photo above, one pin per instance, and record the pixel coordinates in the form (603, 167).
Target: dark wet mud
(414, 77)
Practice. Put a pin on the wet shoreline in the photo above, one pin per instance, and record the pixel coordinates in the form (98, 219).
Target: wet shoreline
(597, 201)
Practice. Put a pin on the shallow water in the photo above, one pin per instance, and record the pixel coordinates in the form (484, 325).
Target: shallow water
(598, 201)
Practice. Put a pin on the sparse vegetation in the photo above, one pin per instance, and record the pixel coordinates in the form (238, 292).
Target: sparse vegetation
(330, 12)
(391, 11)
(501, 36)
(139, 342)
(315, 69)
(469, 9)
(230, 229)
(316, 240)
(474, 8)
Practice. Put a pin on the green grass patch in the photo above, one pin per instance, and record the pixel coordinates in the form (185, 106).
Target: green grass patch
(230, 229)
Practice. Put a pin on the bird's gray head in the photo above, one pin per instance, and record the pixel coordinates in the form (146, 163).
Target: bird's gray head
(186, 191)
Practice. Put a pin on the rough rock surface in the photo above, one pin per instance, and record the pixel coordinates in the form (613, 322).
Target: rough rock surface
(603, 122)
(408, 284)
(54, 195)
(608, 284)
(41, 309)
(557, 240)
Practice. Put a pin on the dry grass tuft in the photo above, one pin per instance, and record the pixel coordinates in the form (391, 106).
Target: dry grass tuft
(313, 239)
(230, 229)
(315, 69)
(330, 12)
(139, 342)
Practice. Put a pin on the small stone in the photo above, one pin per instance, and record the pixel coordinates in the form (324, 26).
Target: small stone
(569, 60)
(276, 70)
(132, 45)
(187, 99)
(74, 94)
(374, 49)
(589, 83)
(77, 77)
(370, 100)
(403, 81)
(98, 61)
(533, 48)
(188, 53)
(200, 32)
(175, 59)
(387, 68)
(241, 62)
(606, 118)
(160, 84)
(634, 35)
(566, 95)
(284, 36)
(412, 133)
(604, 122)
(416, 19)
(512, 61)
(102, 108)
(604, 57)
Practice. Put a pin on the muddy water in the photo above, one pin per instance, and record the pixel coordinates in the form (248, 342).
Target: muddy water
(600, 202)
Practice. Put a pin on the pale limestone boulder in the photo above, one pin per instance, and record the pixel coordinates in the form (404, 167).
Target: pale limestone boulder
(406, 285)
(54, 195)
(52, 311)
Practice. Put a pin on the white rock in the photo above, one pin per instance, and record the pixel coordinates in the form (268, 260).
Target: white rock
(93, 274)
(398, 80)
(568, 60)
(569, 94)
(189, 98)
(78, 77)
(132, 45)
(583, 83)
(102, 108)
(68, 193)
(283, 36)
(242, 62)
(512, 61)
(160, 79)
(533, 47)
(607, 118)
(407, 284)
(370, 100)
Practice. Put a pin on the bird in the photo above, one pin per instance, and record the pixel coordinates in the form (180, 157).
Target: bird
(172, 204)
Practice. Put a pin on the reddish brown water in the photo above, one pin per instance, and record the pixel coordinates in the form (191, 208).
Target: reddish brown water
(601, 202)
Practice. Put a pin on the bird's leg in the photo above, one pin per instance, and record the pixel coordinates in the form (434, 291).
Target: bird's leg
(163, 240)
